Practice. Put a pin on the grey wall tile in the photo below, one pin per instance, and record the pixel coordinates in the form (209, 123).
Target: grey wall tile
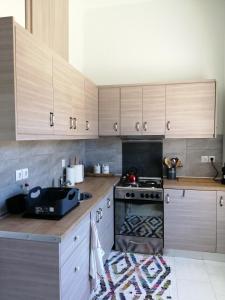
(42, 158)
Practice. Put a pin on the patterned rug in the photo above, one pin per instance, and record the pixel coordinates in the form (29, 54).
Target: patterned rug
(143, 226)
(131, 276)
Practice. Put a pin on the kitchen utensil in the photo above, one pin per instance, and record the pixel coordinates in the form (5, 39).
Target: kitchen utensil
(174, 161)
(167, 162)
(132, 175)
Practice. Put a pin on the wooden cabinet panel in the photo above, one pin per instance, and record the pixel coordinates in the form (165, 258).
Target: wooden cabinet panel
(131, 111)
(91, 108)
(190, 220)
(190, 110)
(109, 111)
(221, 222)
(34, 98)
(48, 21)
(154, 109)
(63, 99)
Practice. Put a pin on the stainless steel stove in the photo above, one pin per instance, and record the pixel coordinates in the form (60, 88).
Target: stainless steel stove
(146, 188)
(139, 217)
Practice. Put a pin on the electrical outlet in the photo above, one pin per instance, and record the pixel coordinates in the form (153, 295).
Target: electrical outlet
(212, 158)
(204, 159)
(25, 173)
(19, 175)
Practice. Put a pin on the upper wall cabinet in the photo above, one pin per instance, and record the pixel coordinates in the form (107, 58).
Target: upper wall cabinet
(91, 108)
(131, 110)
(190, 110)
(154, 104)
(41, 95)
(109, 111)
(48, 21)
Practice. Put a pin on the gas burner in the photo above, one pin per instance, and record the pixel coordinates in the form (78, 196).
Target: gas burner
(150, 184)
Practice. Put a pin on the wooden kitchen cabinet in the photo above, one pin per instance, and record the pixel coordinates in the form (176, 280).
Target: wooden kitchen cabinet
(69, 102)
(221, 222)
(190, 110)
(154, 106)
(91, 108)
(103, 215)
(109, 111)
(34, 91)
(131, 110)
(190, 220)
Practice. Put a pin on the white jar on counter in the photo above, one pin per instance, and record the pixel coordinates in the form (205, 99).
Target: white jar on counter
(105, 169)
(97, 169)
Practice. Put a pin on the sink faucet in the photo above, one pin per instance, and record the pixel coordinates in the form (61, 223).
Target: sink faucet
(63, 183)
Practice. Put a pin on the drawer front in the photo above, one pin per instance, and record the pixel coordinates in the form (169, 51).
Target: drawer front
(75, 273)
(73, 239)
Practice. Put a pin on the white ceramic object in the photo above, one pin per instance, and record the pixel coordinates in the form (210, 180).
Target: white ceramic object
(97, 169)
(105, 169)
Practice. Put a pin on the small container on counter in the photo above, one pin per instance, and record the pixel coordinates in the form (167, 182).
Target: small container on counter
(105, 169)
(171, 173)
(97, 169)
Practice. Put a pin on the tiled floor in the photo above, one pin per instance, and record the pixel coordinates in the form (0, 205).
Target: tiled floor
(196, 279)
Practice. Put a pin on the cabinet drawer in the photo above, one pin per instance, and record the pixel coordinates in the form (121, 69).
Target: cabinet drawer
(75, 273)
(73, 239)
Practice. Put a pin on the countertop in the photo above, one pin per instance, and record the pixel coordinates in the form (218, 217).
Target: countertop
(15, 226)
(203, 184)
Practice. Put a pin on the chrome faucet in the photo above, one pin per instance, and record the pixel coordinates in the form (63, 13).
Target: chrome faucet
(63, 183)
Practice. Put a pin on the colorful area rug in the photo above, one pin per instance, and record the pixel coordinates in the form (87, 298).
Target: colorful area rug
(131, 276)
(143, 226)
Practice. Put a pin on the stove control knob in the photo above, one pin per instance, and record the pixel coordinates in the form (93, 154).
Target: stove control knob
(142, 195)
(157, 196)
(152, 196)
(146, 195)
(132, 195)
(128, 195)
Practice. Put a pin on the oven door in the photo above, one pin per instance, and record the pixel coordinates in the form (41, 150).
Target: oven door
(139, 226)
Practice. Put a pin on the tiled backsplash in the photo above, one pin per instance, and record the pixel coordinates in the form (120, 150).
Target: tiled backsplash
(109, 150)
(42, 158)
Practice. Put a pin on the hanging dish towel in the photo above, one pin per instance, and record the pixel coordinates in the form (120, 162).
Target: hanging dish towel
(96, 257)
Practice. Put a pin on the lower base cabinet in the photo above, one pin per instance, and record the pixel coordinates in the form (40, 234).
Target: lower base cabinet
(190, 220)
(221, 222)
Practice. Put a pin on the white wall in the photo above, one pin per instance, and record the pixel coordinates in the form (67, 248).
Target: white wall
(154, 41)
(76, 33)
(14, 8)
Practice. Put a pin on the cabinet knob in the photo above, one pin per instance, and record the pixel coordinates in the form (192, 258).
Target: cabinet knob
(115, 126)
(168, 125)
(97, 216)
(145, 126)
(137, 126)
(108, 203)
(167, 199)
(76, 269)
(221, 201)
(76, 238)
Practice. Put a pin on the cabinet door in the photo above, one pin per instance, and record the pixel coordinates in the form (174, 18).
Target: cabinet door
(221, 222)
(131, 111)
(34, 100)
(63, 99)
(190, 220)
(91, 108)
(154, 109)
(78, 98)
(109, 111)
(190, 110)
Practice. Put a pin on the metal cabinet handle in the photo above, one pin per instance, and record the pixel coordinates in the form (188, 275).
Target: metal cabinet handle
(115, 126)
(137, 126)
(76, 269)
(145, 126)
(183, 193)
(76, 238)
(97, 216)
(51, 119)
(168, 125)
(221, 201)
(74, 123)
(71, 123)
(167, 199)
(108, 203)
(87, 125)
(101, 213)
